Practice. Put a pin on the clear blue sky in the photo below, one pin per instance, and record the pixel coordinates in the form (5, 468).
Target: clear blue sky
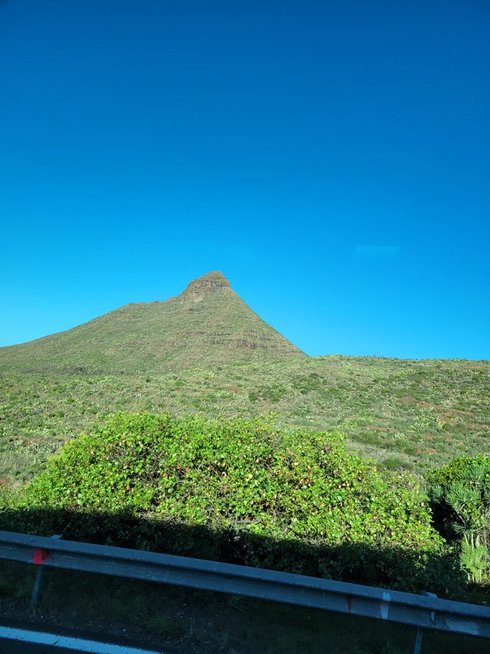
(331, 158)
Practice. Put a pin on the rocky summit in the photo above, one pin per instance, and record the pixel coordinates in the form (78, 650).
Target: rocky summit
(200, 287)
(207, 324)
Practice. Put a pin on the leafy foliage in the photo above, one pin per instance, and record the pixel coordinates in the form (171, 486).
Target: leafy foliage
(404, 414)
(460, 497)
(287, 499)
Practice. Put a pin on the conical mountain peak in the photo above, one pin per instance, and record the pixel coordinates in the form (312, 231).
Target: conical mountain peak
(214, 278)
(198, 288)
(208, 324)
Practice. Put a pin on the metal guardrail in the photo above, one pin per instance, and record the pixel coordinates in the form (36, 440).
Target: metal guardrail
(421, 611)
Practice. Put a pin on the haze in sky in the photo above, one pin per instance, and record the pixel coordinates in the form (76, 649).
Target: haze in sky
(332, 159)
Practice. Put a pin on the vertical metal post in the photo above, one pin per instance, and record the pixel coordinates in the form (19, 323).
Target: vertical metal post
(37, 587)
(38, 559)
(419, 636)
(417, 648)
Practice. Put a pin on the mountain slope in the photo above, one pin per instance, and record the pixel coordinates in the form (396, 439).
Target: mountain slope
(208, 324)
(403, 413)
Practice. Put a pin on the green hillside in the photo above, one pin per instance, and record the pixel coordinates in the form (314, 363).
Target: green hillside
(205, 351)
(244, 448)
(207, 324)
(405, 414)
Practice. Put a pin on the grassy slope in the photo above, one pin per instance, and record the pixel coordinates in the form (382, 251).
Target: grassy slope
(413, 414)
(207, 325)
(206, 351)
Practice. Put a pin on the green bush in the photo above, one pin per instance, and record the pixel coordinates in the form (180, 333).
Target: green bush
(460, 499)
(243, 491)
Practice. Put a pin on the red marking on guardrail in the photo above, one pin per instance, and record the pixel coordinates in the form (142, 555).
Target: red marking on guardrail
(39, 556)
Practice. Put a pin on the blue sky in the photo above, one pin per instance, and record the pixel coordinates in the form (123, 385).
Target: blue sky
(331, 158)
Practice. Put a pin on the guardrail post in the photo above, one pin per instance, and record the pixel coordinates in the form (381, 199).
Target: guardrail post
(35, 590)
(419, 636)
(417, 648)
(38, 558)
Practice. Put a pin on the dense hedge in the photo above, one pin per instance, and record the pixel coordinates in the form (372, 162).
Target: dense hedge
(238, 490)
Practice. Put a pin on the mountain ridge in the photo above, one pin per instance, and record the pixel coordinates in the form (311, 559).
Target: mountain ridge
(206, 324)
(206, 351)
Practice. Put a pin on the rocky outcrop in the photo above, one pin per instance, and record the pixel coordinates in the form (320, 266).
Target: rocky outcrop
(200, 287)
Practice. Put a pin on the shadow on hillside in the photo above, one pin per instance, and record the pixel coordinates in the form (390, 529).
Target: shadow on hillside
(392, 567)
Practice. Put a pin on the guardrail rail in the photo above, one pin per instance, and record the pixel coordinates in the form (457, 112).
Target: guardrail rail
(425, 611)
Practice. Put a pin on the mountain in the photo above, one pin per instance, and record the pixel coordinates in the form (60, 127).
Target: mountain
(206, 325)
(206, 351)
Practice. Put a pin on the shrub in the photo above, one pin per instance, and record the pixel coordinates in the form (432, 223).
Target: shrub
(242, 491)
(460, 499)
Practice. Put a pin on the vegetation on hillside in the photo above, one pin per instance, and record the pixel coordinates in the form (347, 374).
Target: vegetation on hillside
(207, 325)
(287, 492)
(405, 414)
(460, 499)
(205, 351)
(240, 491)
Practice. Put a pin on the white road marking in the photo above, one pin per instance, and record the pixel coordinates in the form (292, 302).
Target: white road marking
(68, 642)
